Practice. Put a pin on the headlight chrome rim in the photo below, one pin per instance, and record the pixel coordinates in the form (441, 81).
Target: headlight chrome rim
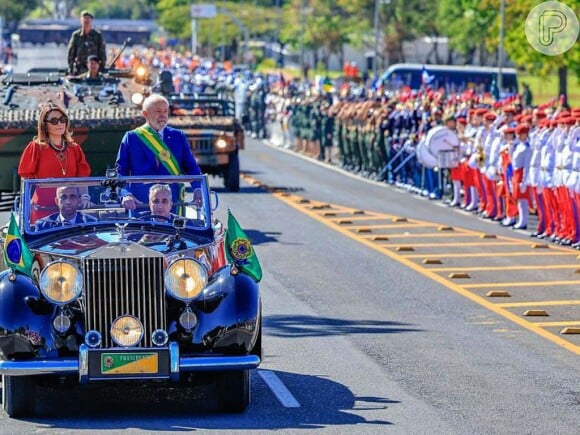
(185, 279)
(61, 323)
(188, 319)
(53, 279)
(93, 339)
(159, 337)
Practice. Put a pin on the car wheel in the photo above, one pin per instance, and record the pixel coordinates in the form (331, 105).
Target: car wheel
(18, 396)
(233, 390)
(232, 175)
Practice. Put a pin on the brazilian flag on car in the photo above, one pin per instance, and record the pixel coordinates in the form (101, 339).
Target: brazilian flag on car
(239, 250)
(16, 254)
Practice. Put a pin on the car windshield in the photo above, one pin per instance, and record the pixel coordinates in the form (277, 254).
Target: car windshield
(51, 204)
(199, 107)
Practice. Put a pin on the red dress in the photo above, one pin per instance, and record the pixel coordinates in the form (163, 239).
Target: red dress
(40, 160)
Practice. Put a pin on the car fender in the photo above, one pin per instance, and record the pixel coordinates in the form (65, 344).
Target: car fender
(233, 326)
(22, 330)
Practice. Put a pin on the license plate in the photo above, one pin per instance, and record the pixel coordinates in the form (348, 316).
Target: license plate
(129, 363)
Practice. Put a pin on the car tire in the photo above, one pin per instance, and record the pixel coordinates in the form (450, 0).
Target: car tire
(233, 390)
(232, 175)
(18, 396)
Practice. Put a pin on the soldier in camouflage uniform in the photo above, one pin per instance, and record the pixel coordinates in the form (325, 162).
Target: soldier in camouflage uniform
(84, 42)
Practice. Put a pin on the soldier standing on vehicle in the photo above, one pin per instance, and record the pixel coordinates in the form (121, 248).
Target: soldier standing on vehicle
(84, 42)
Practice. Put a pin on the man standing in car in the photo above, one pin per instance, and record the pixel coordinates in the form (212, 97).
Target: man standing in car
(84, 42)
(154, 149)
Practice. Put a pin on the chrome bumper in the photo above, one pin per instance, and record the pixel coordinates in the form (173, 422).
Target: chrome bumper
(72, 366)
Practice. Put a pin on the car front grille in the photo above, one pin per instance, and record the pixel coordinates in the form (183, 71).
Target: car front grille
(121, 286)
(201, 145)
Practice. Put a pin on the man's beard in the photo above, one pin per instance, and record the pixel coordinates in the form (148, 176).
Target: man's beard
(157, 125)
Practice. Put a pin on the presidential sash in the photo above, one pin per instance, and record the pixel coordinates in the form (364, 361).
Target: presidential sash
(159, 148)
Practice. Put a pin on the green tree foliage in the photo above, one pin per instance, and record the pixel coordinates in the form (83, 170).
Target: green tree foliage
(13, 12)
(129, 9)
(175, 17)
(524, 56)
(467, 24)
(399, 21)
(318, 24)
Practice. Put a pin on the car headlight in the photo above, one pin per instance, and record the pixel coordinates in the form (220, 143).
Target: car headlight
(221, 143)
(185, 279)
(61, 282)
(137, 99)
(141, 72)
(126, 331)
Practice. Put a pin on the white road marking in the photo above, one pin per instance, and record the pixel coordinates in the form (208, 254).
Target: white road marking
(282, 393)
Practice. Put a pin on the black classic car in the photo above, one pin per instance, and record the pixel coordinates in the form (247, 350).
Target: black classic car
(95, 293)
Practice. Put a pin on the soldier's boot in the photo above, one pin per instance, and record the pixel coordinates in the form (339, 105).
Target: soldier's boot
(523, 211)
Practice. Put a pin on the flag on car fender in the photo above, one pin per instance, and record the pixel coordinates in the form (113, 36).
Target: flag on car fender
(240, 251)
(17, 256)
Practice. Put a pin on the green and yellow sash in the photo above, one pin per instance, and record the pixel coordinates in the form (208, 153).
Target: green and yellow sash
(162, 152)
(154, 142)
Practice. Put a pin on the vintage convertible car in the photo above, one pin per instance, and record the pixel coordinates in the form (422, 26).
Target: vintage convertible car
(118, 295)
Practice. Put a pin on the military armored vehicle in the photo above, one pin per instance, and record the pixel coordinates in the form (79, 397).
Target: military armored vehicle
(214, 134)
(101, 111)
(208, 119)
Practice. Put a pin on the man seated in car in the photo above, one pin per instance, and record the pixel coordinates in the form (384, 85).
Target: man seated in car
(160, 204)
(68, 200)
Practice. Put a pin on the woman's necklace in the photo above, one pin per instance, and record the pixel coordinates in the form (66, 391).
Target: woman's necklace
(61, 156)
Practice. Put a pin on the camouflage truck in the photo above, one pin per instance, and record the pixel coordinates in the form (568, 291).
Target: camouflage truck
(214, 134)
(101, 111)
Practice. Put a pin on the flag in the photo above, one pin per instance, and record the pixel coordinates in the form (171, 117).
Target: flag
(426, 78)
(17, 256)
(327, 85)
(239, 250)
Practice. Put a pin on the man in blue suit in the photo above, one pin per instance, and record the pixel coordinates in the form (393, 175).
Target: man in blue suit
(68, 199)
(154, 149)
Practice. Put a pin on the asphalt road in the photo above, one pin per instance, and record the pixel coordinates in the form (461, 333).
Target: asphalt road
(357, 339)
(354, 340)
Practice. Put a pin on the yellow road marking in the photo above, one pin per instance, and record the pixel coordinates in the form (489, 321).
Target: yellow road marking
(551, 324)
(436, 245)
(522, 284)
(439, 279)
(387, 226)
(426, 235)
(494, 268)
(364, 218)
(538, 303)
(491, 254)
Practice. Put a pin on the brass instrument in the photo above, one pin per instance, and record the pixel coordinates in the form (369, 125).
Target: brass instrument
(480, 155)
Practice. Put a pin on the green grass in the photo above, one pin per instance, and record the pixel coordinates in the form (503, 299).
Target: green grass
(544, 89)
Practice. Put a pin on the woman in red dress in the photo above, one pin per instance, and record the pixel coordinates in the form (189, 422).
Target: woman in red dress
(52, 154)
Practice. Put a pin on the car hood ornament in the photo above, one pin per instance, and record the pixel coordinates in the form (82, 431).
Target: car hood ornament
(121, 231)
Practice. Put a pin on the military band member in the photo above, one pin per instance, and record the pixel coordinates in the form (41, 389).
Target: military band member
(521, 162)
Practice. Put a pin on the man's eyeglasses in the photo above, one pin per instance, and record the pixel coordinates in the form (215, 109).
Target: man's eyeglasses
(55, 121)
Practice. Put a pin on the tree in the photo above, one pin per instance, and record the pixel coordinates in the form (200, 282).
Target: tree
(467, 25)
(14, 12)
(519, 50)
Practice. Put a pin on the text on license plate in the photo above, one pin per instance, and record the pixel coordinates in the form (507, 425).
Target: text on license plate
(123, 363)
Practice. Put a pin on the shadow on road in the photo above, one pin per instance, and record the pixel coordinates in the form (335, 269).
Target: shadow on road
(314, 326)
(324, 403)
